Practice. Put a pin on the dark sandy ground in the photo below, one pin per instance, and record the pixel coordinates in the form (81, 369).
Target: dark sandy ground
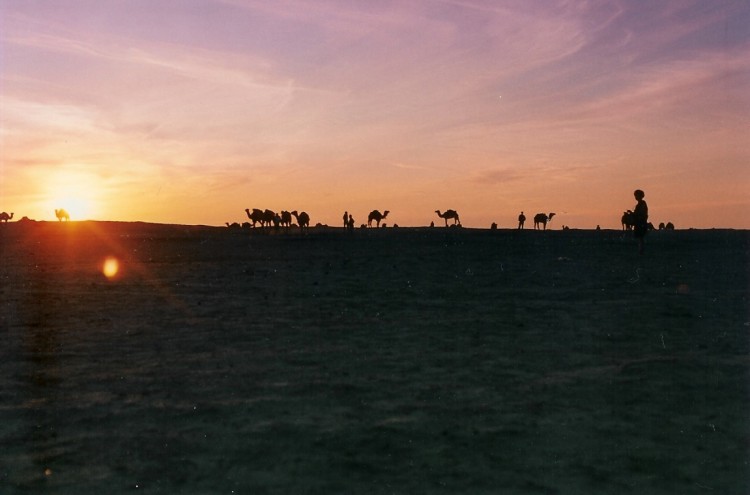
(387, 361)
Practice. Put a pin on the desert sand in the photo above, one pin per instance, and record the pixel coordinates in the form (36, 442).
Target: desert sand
(381, 361)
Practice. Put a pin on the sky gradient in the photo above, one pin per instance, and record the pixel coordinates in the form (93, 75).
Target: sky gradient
(191, 111)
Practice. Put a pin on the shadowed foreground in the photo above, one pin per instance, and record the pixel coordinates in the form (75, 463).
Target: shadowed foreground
(382, 361)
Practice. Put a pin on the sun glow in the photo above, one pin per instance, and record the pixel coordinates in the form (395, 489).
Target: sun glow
(78, 194)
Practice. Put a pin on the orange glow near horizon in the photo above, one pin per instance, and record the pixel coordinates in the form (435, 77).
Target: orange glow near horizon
(78, 194)
(488, 108)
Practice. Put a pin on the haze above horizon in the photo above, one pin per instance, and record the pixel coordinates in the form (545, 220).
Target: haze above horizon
(189, 112)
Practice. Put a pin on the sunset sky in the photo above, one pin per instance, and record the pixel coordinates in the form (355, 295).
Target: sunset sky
(190, 111)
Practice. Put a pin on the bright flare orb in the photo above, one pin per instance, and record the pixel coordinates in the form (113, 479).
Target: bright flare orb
(111, 267)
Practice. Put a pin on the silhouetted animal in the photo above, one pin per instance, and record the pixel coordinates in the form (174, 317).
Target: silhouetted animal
(256, 216)
(628, 220)
(62, 214)
(542, 219)
(669, 226)
(268, 218)
(449, 214)
(4, 217)
(233, 226)
(377, 216)
(303, 219)
(286, 219)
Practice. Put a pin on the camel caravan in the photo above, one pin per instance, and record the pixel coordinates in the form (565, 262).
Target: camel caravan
(265, 220)
(268, 220)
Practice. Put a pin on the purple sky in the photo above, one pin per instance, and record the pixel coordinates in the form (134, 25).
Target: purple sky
(191, 111)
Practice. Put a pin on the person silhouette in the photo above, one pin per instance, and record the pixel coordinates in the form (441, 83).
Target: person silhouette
(521, 220)
(346, 219)
(350, 222)
(640, 219)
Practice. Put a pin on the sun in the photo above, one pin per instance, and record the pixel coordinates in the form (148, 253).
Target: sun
(78, 194)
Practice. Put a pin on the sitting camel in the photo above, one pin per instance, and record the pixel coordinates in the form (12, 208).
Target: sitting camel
(542, 219)
(377, 216)
(4, 217)
(303, 219)
(449, 214)
(62, 214)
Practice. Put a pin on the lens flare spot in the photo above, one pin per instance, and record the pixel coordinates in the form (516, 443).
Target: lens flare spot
(111, 267)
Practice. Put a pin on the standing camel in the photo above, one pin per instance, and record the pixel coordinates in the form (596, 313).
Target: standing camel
(377, 216)
(62, 214)
(449, 214)
(268, 218)
(4, 217)
(303, 219)
(542, 219)
(286, 219)
(256, 216)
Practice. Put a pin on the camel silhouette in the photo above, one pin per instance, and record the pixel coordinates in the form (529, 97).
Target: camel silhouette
(268, 217)
(62, 214)
(542, 219)
(377, 216)
(628, 220)
(303, 219)
(4, 217)
(256, 216)
(286, 219)
(449, 214)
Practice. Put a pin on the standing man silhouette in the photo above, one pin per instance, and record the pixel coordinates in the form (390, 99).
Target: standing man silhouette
(346, 219)
(521, 220)
(640, 218)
